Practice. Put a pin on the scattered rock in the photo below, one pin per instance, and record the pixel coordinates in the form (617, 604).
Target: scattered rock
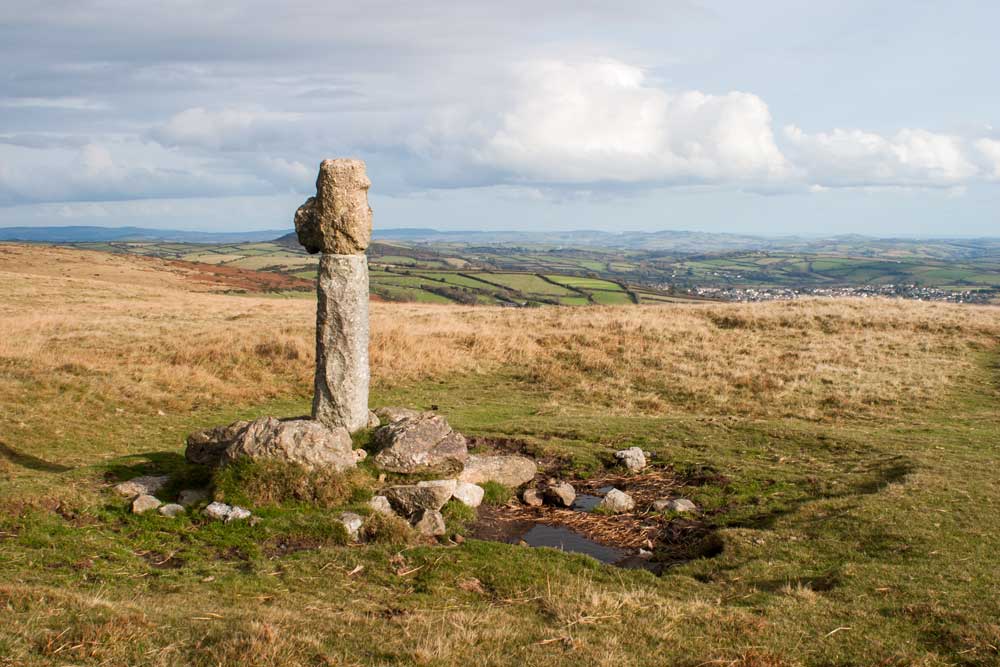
(408, 500)
(237, 514)
(391, 414)
(532, 498)
(381, 505)
(425, 443)
(352, 522)
(674, 505)
(146, 485)
(561, 494)
(227, 513)
(171, 510)
(449, 484)
(144, 503)
(207, 446)
(469, 494)
(617, 501)
(508, 469)
(373, 420)
(191, 497)
(360, 455)
(632, 458)
(218, 511)
(431, 523)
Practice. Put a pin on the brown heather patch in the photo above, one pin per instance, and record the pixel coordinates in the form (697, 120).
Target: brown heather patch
(138, 337)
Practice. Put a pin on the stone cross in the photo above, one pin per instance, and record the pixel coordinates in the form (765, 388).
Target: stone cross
(337, 222)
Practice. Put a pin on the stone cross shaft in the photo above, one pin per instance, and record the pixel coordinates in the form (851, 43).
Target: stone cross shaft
(337, 222)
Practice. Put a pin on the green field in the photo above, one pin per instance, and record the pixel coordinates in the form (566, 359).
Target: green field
(539, 275)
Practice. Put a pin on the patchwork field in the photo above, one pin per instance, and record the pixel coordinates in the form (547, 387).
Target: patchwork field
(564, 275)
(843, 454)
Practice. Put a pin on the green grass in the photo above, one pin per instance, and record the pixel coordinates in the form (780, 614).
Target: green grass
(842, 543)
(584, 283)
(526, 283)
(610, 298)
(886, 530)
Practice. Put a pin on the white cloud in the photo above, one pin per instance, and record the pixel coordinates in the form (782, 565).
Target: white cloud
(580, 123)
(990, 150)
(558, 127)
(114, 169)
(225, 129)
(855, 158)
(68, 103)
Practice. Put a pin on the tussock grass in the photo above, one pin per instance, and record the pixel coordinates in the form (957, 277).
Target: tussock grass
(256, 483)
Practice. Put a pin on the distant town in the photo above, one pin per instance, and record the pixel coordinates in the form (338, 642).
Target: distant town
(914, 292)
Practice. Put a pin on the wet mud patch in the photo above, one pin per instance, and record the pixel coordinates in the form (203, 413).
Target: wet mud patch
(642, 538)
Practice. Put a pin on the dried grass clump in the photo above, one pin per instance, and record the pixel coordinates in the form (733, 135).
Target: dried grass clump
(386, 529)
(269, 482)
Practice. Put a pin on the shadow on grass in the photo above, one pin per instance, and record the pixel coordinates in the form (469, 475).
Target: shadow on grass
(875, 478)
(30, 462)
(183, 475)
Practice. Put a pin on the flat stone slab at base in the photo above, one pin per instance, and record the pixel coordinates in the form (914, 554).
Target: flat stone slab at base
(507, 469)
(425, 443)
(391, 414)
(147, 485)
(302, 441)
(409, 500)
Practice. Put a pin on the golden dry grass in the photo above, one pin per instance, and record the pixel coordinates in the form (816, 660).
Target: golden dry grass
(142, 337)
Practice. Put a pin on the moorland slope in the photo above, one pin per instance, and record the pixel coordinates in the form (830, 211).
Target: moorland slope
(844, 454)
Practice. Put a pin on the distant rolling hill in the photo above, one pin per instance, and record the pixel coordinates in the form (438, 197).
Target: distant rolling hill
(82, 234)
(664, 242)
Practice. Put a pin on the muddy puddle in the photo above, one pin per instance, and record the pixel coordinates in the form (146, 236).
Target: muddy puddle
(585, 502)
(564, 539)
(641, 539)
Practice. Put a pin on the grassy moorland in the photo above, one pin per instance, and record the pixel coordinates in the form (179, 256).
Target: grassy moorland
(845, 454)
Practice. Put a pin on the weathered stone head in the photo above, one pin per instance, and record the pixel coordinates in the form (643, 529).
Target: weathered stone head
(338, 220)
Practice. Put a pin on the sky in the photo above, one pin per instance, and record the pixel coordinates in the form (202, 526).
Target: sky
(773, 117)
